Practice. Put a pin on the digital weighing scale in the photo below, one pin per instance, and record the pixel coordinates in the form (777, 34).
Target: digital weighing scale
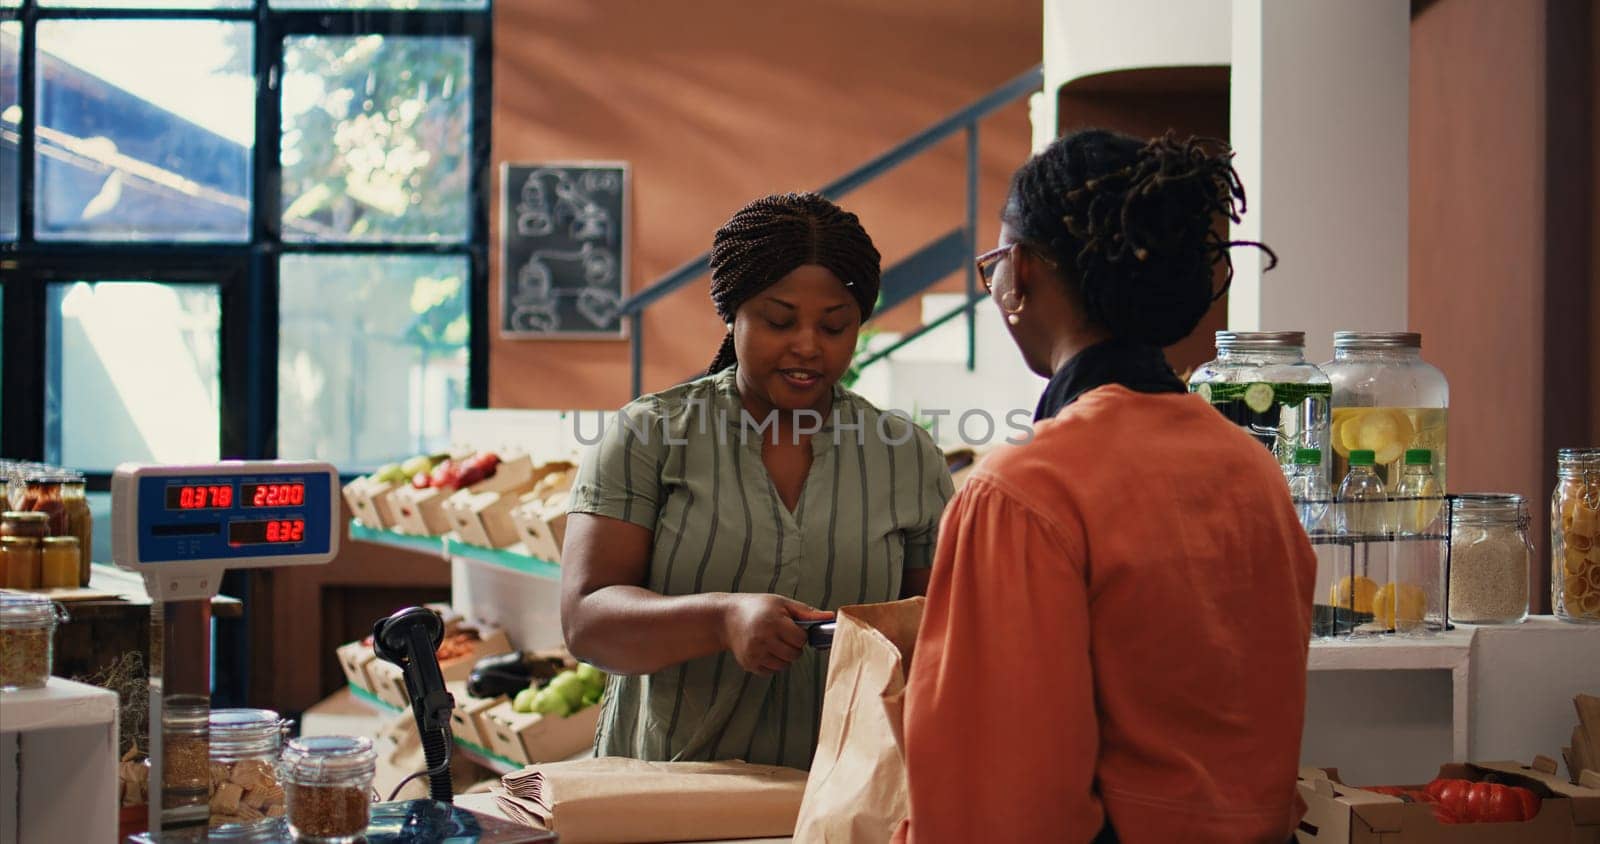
(180, 528)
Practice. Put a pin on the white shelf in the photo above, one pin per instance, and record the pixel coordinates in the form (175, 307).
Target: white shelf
(60, 704)
(1444, 651)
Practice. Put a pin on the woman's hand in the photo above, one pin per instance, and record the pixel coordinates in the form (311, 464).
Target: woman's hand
(761, 630)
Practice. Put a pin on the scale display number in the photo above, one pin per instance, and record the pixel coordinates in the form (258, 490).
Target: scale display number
(272, 495)
(267, 532)
(199, 496)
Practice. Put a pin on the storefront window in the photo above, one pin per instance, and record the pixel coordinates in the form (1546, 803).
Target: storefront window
(372, 355)
(145, 130)
(10, 123)
(376, 139)
(148, 4)
(131, 374)
(407, 5)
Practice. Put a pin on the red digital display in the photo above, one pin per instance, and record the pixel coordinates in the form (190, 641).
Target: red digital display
(273, 495)
(266, 532)
(199, 496)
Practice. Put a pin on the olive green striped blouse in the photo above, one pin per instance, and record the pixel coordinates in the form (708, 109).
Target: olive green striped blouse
(686, 464)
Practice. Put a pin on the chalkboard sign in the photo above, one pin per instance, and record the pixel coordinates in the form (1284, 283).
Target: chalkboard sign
(563, 250)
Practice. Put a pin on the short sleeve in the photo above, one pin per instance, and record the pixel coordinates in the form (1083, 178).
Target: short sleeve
(934, 493)
(620, 475)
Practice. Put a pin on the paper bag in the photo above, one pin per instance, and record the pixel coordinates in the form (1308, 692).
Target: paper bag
(857, 792)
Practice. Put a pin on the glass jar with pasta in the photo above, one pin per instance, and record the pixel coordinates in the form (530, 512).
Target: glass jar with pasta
(1575, 536)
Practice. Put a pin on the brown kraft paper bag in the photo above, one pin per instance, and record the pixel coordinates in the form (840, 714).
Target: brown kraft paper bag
(856, 792)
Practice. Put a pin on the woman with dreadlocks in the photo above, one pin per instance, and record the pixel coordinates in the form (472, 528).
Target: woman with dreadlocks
(1114, 646)
(717, 514)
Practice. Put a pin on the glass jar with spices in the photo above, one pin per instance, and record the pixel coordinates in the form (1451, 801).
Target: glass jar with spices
(185, 755)
(328, 781)
(58, 562)
(1491, 557)
(27, 635)
(1575, 536)
(246, 794)
(43, 495)
(1262, 382)
(21, 562)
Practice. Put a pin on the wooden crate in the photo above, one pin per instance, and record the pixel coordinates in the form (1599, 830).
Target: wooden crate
(528, 737)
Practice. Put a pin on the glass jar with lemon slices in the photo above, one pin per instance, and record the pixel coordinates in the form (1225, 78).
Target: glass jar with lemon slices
(1575, 536)
(1386, 399)
(1262, 382)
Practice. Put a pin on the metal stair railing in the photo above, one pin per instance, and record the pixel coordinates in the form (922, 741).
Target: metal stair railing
(911, 275)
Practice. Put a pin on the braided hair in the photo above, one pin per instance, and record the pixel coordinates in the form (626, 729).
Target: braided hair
(772, 237)
(1134, 220)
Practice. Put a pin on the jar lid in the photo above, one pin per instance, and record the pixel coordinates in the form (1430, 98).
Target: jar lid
(242, 726)
(25, 516)
(61, 541)
(1230, 340)
(1489, 505)
(1578, 455)
(24, 610)
(185, 711)
(317, 759)
(1362, 340)
(20, 541)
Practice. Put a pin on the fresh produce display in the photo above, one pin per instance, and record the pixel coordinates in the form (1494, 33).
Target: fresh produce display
(450, 474)
(401, 473)
(566, 693)
(1457, 801)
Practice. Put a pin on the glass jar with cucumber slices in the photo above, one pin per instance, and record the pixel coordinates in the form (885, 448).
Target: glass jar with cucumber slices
(1263, 383)
(1386, 399)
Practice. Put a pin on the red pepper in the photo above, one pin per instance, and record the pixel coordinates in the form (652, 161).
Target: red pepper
(1530, 803)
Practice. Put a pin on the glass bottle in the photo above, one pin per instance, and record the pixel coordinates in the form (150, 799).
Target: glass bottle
(58, 562)
(1417, 496)
(245, 744)
(1308, 486)
(1364, 524)
(1575, 536)
(27, 640)
(1262, 382)
(1491, 557)
(328, 781)
(1386, 399)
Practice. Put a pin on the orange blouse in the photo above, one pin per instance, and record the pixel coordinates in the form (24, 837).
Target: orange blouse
(1117, 626)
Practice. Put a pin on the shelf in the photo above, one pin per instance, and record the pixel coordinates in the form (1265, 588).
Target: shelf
(425, 544)
(536, 566)
(60, 704)
(1444, 651)
(481, 755)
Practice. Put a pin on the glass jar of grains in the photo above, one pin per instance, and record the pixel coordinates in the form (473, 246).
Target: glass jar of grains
(328, 780)
(1491, 557)
(58, 562)
(27, 633)
(245, 792)
(1575, 536)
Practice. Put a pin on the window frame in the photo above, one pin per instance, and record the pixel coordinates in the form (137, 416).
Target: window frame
(246, 272)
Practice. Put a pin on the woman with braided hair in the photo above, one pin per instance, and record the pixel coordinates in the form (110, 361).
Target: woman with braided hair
(716, 515)
(1117, 627)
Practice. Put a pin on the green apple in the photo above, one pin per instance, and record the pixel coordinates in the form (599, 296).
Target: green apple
(593, 678)
(389, 473)
(420, 463)
(592, 697)
(548, 702)
(570, 686)
(523, 702)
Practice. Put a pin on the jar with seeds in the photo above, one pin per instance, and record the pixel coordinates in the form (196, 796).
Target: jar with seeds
(1491, 557)
(328, 783)
(27, 632)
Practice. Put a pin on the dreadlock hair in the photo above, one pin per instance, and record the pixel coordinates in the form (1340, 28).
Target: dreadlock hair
(771, 237)
(1130, 223)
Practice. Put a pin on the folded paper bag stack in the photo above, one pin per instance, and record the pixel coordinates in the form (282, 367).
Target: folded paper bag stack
(623, 801)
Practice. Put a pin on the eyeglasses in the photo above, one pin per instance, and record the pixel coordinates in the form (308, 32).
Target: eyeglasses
(988, 262)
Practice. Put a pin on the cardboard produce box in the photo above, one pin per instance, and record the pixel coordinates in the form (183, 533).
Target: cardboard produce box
(466, 718)
(420, 512)
(1341, 814)
(353, 659)
(527, 737)
(388, 682)
(483, 519)
(369, 502)
(541, 525)
(489, 642)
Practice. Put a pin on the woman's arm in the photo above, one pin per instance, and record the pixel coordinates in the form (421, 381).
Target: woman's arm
(609, 617)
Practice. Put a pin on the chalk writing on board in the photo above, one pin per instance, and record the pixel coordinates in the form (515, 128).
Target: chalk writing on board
(563, 250)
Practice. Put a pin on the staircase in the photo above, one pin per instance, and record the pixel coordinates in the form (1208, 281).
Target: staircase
(960, 360)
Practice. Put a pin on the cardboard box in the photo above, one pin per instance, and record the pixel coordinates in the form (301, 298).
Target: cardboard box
(491, 642)
(528, 737)
(483, 519)
(388, 682)
(1341, 814)
(353, 659)
(420, 512)
(541, 525)
(465, 719)
(369, 502)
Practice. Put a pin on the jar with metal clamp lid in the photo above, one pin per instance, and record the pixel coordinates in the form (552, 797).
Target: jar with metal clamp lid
(246, 794)
(1575, 536)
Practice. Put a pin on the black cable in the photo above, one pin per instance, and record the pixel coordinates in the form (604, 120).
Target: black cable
(442, 767)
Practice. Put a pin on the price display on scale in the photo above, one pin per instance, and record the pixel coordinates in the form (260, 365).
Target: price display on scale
(182, 526)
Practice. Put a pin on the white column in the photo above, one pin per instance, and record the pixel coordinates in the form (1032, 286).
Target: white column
(1319, 122)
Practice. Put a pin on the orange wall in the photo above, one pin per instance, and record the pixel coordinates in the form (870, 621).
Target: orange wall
(716, 102)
